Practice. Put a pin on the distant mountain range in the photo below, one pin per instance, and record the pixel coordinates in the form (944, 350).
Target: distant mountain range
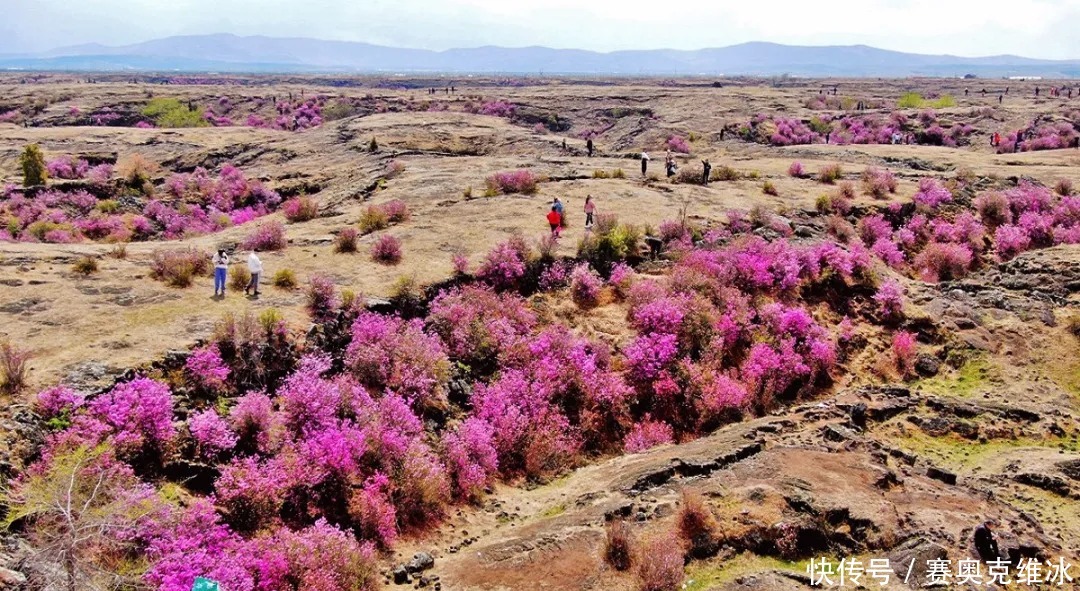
(230, 53)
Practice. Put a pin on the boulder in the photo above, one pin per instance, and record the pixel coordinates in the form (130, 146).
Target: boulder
(421, 561)
(920, 551)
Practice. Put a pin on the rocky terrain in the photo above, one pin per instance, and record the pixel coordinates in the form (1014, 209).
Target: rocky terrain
(867, 459)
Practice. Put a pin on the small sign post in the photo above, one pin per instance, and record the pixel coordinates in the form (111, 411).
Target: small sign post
(204, 584)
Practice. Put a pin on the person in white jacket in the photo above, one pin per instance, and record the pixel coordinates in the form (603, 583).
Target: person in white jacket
(255, 266)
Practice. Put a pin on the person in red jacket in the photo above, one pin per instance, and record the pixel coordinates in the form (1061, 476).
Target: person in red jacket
(555, 220)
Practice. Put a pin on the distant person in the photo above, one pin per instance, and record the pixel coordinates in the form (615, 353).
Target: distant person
(669, 165)
(828, 136)
(655, 245)
(1036, 91)
(985, 544)
(221, 268)
(644, 163)
(706, 169)
(590, 209)
(558, 205)
(965, 92)
(564, 144)
(589, 146)
(255, 267)
(1019, 138)
(1001, 99)
(723, 130)
(554, 220)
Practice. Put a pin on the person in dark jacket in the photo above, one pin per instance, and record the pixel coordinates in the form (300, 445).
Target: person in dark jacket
(589, 146)
(706, 169)
(985, 544)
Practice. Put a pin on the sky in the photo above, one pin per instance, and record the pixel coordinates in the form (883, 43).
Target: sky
(1032, 28)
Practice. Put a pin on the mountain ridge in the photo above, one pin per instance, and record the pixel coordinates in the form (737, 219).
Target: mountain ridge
(259, 53)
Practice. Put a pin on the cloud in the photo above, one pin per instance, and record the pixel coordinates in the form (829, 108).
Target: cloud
(1037, 28)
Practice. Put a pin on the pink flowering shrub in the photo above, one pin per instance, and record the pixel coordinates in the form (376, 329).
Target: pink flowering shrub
(67, 167)
(57, 402)
(253, 420)
(518, 181)
(878, 182)
(943, 261)
(621, 278)
(555, 276)
(503, 267)
(663, 570)
(677, 144)
(994, 209)
(300, 209)
(904, 349)
(135, 417)
(647, 434)
(497, 108)
(266, 237)
(585, 286)
(460, 262)
(476, 324)
(796, 170)
(397, 211)
(890, 299)
(1010, 240)
(388, 352)
(932, 194)
(322, 299)
(211, 434)
(471, 457)
(874, 228)
(386, 250)
(207, 369)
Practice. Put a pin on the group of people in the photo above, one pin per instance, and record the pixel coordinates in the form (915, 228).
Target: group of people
(557, 219)
(221, 272)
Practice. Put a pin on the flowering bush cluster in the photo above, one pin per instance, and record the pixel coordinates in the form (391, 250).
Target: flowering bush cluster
(190, 204)
(207, 369)
(1049, 136)
(386, 250)
(678, 144)
(522, 181)
(854, 129)
(342, 452)
(943, 240)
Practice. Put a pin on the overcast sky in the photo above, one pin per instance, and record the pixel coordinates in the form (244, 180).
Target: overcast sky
(1033, 28)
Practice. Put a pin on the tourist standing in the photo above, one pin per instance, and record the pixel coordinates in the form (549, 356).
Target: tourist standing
(590, 209)
(255, 267)
(221, 267)
(554, 220)
(644, 163)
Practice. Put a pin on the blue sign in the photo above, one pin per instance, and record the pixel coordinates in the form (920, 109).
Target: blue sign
(203, 584)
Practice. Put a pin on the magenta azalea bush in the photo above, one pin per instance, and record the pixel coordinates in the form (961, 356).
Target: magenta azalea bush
(585, 286)
(267, 236)
(315, 454)
(207, 369)
(386, 250)
(522, 181)
(189, 204)
(677, 144)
